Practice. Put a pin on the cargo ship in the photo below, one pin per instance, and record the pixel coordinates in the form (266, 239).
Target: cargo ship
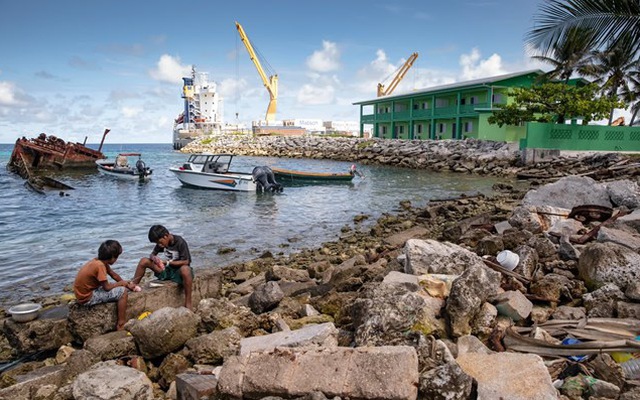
(202, 113)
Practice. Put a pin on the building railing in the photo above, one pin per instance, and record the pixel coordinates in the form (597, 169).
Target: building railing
(581, 137)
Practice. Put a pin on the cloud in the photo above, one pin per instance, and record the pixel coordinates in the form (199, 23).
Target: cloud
(325, 60)
(130, 112)
(170, 70)
(316, 95)
(45, 75)
(10, 95)
(473, 67)
(232, 88)
(81, 63)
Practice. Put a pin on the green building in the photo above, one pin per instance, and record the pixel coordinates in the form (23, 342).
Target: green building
(454, 111)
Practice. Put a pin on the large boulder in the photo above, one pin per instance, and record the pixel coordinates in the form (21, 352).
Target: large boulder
(624, 193)
(468, 292)
(266, 297)
(221, 314)
(433, 257)
(84, 322)
(569, 192)
(109, 381)
(111, 345)
(39, 334)
(384, 313)
(602, 263)
(215, 346)
(163, 331)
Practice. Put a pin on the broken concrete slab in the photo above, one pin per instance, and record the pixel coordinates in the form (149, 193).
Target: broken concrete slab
(322, 335)
(386, 372)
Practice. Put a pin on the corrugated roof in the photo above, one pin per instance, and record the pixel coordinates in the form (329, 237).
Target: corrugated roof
(450, 86)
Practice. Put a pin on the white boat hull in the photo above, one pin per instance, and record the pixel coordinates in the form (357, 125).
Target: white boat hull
(106, 168)
(235, 182)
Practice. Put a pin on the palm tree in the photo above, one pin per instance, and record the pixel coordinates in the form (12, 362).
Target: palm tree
(572, 53)
(614, 66)
(607, 19)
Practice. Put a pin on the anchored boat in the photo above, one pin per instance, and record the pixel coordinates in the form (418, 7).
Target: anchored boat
(120, 167)
(287, 175)
(212, 171)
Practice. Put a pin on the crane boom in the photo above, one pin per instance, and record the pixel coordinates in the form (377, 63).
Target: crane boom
(271, 83)
(402, 71)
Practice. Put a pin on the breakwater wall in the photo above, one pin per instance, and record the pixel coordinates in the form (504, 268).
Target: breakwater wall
(468, 156)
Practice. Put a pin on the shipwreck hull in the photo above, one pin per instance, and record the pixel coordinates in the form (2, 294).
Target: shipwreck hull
(46, 153)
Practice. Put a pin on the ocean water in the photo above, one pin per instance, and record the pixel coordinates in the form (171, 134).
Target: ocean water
(45, 239)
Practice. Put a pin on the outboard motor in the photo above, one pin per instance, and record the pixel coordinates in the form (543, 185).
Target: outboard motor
(141, 167)
(266, 180)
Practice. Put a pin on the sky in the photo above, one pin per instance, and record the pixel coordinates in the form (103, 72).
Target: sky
(74, 68)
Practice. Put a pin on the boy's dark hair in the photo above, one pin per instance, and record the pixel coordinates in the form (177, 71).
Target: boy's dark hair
(109, 249)
(157, 232)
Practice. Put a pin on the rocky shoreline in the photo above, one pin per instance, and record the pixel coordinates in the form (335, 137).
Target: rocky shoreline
(415, 306)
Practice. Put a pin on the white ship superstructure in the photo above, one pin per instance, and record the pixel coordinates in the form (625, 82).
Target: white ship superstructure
(203, 110)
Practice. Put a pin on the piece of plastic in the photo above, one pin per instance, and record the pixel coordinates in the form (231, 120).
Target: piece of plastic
(569, 341)
(631, 368)
(621, 357)
(508, 259)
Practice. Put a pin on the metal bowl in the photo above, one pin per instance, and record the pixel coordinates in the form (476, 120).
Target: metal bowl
(25, 312)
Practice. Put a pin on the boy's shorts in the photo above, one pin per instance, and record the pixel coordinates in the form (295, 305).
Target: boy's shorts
(172, 274)
(103, 296)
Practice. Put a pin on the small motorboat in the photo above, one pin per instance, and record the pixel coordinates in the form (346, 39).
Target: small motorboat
(120, 167)
(287, 175)
(212, 171)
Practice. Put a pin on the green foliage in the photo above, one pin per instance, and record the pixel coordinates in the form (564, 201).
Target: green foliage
(206, 140)
(554, 102)
(364, 144)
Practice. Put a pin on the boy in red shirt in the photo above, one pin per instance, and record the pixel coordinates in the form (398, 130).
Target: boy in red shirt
(92, 285)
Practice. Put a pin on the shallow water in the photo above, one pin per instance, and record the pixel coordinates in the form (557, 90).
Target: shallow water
(47, 238)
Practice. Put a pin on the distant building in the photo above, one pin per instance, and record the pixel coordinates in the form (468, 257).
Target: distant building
(342, 127)
(454, 111)
(311, 126)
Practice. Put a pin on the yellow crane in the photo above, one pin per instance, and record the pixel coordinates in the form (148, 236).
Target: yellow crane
(271, 83)
(401, 72)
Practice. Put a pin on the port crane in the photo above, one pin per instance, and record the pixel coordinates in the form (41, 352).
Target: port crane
(270, 83)
(400, 73)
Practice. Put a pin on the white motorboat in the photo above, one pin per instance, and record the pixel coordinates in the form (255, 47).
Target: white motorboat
(211, 171)
(120, 167)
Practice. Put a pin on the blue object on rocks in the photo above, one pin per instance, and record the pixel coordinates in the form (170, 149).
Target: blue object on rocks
(571, 341)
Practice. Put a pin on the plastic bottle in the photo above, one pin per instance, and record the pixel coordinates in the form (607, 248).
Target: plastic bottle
(631, 368)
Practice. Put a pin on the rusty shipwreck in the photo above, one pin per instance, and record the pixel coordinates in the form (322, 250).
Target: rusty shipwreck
(50, 153)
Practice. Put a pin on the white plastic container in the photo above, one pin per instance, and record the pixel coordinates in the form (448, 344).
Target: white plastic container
(508, 259)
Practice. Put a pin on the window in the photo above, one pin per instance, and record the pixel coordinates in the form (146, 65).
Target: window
(442, 103)
(442, 127)
(415, 106)
(425, 106)
(496, 98)
(462, 101)
(401, 129)
(384, 130)
(473, 99)
(419, 128)
(468, 126)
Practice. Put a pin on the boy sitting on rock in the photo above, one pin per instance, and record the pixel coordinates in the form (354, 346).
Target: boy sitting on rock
(92, 285)
(175, 264)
